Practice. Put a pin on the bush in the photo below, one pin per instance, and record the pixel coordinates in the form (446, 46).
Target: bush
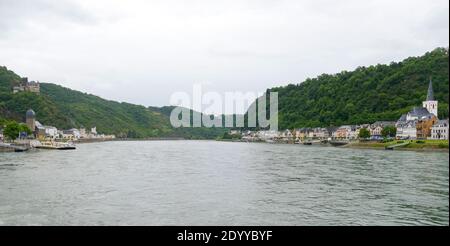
(420, 141)
(400, 142)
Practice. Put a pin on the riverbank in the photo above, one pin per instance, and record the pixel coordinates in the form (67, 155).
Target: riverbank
(414, 145)
(95, 140)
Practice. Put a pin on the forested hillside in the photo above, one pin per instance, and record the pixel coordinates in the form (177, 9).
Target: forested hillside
(66, 108)
(368, 94)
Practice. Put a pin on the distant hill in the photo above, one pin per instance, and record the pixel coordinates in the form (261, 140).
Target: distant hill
(66, 108)
(366, 95)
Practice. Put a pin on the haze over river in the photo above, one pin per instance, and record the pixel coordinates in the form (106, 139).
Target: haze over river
(222, 183)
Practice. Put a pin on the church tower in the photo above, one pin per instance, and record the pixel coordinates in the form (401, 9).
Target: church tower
(31, 119)
(430, 104)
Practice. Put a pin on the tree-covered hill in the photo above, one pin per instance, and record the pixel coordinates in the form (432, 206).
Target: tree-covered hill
(66, 108)
(366, 95)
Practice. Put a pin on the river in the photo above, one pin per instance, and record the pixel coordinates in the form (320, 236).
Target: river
(222, 183)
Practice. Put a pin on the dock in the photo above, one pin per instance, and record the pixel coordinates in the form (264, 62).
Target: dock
(339, 143)
(392, 147)
(5, 147)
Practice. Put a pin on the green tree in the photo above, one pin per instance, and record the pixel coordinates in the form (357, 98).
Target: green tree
(364, 133)
(13, 130)
(389, 131)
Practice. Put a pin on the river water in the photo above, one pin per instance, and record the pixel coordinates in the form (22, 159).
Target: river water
(222, 183)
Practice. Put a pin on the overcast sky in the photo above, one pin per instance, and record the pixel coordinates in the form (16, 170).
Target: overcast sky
(143, 51)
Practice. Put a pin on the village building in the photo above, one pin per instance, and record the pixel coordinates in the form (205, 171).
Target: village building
(439, 131)
(286, 135)
(406, 130)
(302, 133)
(45, 131)
(346, 132)
(39, 130)
(343, 132)
(320, 133)
(249, 136)
(423, 126)
(354, 132)
(332, 132)
(94, 130)
(72, 134)
(267, 135)
(377, 127)
(83, 132)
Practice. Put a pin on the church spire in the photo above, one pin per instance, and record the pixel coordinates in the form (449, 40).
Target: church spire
(430, 95)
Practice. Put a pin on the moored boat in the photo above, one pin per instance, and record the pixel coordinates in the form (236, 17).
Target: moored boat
(56, 145)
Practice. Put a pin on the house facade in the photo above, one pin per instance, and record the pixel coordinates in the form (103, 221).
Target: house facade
(346, 132)
(406, 130)
(45, 131)
(439, 131)
(423, 126)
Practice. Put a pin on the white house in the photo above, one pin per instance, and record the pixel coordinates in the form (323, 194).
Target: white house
(440, 130)
(321, 133)
(286, 135)
(354, 132)
(267, 135)
(72, 133)
(406, 130)
(46, 131)
(377, 127)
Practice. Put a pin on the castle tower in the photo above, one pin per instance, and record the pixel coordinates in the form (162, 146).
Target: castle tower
(430, 104)
(31, 119)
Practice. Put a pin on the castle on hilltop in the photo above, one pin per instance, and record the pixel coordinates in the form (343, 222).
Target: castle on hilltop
(32, 86)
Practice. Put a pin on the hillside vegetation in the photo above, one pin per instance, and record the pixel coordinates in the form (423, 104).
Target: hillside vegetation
(66, 108)
(366, 95)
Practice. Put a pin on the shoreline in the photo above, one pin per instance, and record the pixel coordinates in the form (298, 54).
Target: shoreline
(356, 146)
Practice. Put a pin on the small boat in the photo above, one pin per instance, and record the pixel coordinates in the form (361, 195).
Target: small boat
(56, 145)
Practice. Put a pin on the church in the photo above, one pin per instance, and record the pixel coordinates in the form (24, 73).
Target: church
(417, 123)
